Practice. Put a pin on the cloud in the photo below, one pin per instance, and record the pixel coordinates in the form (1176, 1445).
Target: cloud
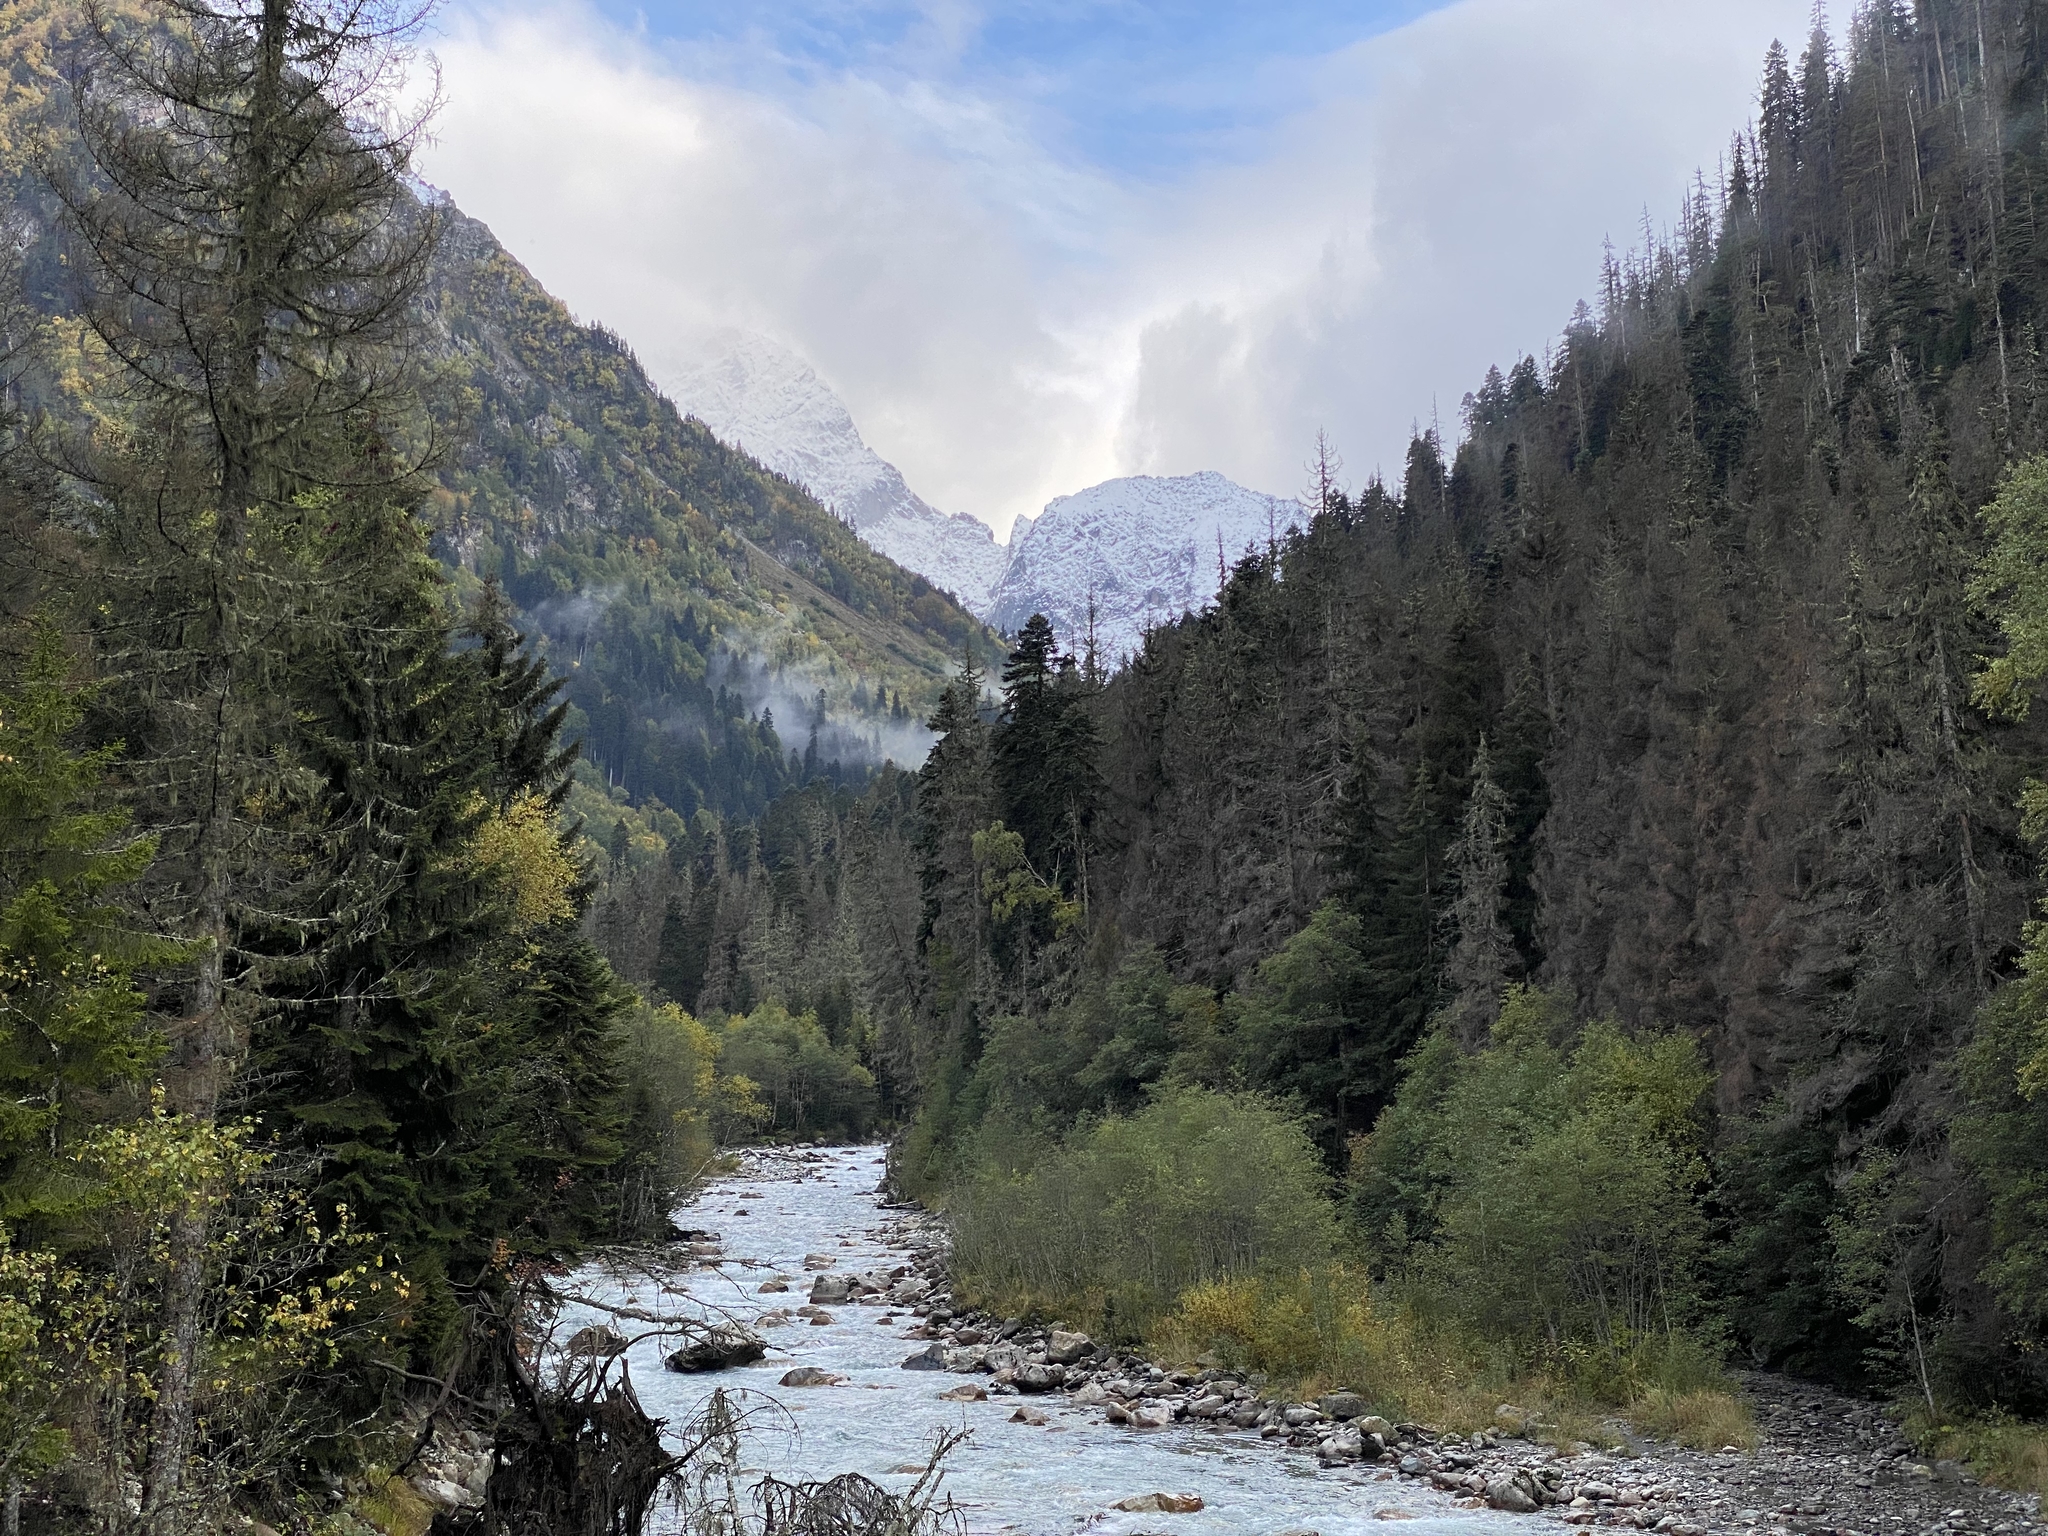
(1008, 322)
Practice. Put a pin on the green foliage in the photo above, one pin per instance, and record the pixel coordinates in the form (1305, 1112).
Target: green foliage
(1549, 1186)
(1110, 1225)
(668, 1064)
(72, 1025)
(2011, 581)
(810, 1088)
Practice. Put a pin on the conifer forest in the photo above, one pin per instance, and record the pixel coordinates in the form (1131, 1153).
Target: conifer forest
(1565, 927)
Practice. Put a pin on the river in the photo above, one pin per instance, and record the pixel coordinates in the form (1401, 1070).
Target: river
(1008, 1477)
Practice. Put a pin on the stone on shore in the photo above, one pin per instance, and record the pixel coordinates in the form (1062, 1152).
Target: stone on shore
(1068, 1348)
(931, 1358)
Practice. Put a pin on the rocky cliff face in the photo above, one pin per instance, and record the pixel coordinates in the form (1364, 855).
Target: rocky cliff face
(764, 399)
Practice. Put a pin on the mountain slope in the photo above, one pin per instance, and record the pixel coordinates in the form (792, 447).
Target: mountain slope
(693, 599)
(764, 399)
(1145, 550)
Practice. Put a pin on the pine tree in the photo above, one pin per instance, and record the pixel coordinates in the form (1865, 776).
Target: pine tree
(1480, 957)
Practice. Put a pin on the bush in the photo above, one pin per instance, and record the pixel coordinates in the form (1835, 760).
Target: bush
(1545, 1191)
(1111, 1226)
(808, 1087)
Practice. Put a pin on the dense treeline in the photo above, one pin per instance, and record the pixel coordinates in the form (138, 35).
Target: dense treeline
(1662, 695)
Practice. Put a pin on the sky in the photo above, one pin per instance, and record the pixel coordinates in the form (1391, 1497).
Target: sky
(1036, 245)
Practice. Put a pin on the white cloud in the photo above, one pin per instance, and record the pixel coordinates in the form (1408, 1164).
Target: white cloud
(1007, 326)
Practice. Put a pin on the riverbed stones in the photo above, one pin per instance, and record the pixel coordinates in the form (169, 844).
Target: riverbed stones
(770, 1287)
(966, 1392)
(1341, 1405)
(832, 1289)
(1039, 1378)
(719, 1350)
(931, 1358)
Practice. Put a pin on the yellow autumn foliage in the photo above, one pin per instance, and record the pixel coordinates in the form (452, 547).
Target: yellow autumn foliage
(521, 849)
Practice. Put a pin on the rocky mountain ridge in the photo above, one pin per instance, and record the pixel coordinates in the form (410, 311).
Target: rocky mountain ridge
(1140, 550)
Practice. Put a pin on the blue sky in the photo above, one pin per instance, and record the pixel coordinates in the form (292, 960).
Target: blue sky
(1135, 87)
(1037, 245)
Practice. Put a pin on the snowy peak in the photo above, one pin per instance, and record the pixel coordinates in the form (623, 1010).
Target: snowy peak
(1144, 548)
(767, 401)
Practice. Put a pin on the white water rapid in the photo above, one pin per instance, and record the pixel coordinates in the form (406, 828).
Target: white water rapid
(1048, 1480)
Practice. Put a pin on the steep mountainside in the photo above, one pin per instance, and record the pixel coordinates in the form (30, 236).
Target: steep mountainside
(714, 620)
(761, 397)
(1143, 550)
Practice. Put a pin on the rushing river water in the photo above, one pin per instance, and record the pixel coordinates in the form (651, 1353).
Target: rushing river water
(1020, 1478)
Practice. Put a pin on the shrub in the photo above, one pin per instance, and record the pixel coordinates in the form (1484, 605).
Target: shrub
(1109, 1227)
(1546, 1192)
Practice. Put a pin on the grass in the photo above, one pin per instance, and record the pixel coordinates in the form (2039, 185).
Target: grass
(392, 1507)
(1320, 1329)
(2003, 1451)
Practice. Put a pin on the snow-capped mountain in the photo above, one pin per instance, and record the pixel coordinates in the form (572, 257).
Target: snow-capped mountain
(1146, 548)
(764, 399)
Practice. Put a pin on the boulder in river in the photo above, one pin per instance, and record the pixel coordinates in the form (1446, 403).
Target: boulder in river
(966, 1392)
(769, 1286)
(1161, 1504)
(719, 1350)
(831, 1288)
(1040, 1378)
(931, 1358)
(595, 1341)
(810, 1376)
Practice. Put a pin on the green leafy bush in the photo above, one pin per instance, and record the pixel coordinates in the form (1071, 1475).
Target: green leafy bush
(1111, 1225)
(1546, 1190)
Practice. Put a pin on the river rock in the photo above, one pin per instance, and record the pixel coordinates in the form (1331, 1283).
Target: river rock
(831, 1288)
(1027, 1416)
(1091, 1395)
(810, 1376)
(1040, 1378)
(768, 1287)
(1515, 1493)
(1151, 1416)
(962, 1361)
(1161, 1504)
(719, 1350)
(931, 1358)
(966, 1392)
(1068, 1348)
(1373, 1424)
(821, 1319)
(596, 1340)
(1211, 1407)
(1345, 1445)
(1341, 1405)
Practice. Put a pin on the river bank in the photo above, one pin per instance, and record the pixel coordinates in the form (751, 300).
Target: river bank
(850, 1293)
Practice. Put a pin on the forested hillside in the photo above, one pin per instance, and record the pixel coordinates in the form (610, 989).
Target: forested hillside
(681, 589)
(1657, 695)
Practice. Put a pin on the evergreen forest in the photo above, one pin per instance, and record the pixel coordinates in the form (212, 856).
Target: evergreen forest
(1570, 920)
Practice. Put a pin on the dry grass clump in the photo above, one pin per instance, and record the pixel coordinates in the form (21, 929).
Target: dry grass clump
(1317, 1329)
